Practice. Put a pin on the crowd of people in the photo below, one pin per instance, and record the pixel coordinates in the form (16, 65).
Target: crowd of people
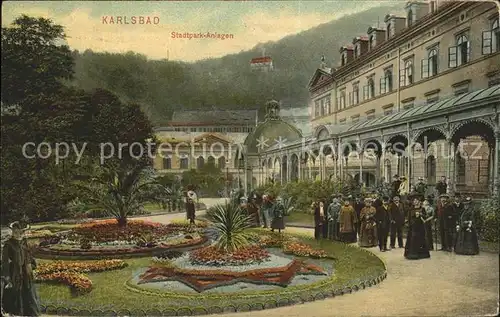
(376, 218)
(381, 218)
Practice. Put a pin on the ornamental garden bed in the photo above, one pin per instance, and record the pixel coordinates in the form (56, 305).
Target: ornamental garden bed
(105, 239)
(280, 272)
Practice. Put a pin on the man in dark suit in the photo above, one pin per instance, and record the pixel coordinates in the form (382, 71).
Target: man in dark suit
(382, 217)
(442, 186)
(446, 219)
(358, 205)
(397, 213)
(396, 183)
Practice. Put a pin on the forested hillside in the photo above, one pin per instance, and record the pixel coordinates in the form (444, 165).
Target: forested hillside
(227, 82)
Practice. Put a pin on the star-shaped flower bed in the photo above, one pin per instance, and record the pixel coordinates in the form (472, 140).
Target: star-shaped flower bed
(202, 280)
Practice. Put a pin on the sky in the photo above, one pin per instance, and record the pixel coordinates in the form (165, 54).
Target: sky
(88, 23)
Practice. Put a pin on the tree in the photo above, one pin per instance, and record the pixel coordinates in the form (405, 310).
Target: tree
(120, 192)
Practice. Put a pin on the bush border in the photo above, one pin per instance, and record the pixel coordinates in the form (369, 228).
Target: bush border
(312, 292)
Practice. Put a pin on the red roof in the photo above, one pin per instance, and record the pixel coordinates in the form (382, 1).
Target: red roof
(265, 59)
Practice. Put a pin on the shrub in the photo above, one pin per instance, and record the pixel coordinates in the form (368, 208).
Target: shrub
(231, 224)
(489, 219)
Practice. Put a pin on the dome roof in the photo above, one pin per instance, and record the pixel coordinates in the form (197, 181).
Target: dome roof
(269, 133)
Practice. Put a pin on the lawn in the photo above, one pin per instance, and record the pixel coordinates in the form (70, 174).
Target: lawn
(110, 292)
(300, 218)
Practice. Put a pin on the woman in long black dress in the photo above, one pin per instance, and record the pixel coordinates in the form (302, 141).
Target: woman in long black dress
(416, 242)
(466, 242)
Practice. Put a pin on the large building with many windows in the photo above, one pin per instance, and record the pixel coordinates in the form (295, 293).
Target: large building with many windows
(428, 82)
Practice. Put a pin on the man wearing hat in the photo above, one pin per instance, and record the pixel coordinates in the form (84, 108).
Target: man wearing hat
(467, 243)
(368, 229)
(446, 221)
(358, 206)
(383, 222)
(333, 219)
(442, 186)
(421, 186)
(397, 212)
(19, 296)
(396, 183)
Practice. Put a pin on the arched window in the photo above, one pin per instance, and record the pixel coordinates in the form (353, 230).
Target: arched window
(495, 27)
(211, 161)
(462, 50)
(184, 163)
(371, 88)
(200, 162)
(342, 99)
(430, 169)
(410, 17)
(371, 42)
(408, 72)
(433, 62)
(389, 30)
(222, 162)
(167, 163)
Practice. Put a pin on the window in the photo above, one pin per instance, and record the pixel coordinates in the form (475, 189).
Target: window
(356, 51)
(388, 111)
(200, 162)
(369, 89)
(328, 104)
(371, 42)
(386, 82)
(461, 88)
(355, 94)
(370, 115)
(323, 112)
(406, 76)
(460, 161)
(408, 105)
(433, 6)
(432, 99)
(491, 39)
(342, 100)
(389, 30)
(355, 118)
(459, 54)
(411, 17)
(316, 108)
(167, 163)
(184, 163)
(222, 162)
(429, 66)
(343, 59)
(430, 169)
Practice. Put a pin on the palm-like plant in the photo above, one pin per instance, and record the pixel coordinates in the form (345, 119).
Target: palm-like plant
(121, 191)
(231, 225)
(288, 205)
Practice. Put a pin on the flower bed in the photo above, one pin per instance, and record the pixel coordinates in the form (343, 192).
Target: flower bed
(70, 273)
(202, 280)
(302, 249)
(215, 257)
(37, 234)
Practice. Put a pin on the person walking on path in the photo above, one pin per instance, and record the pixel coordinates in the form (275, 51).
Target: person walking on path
(266, 209)
(278, 212)
(397, 214)
(190, 210)
(320, 221)
(429, 218)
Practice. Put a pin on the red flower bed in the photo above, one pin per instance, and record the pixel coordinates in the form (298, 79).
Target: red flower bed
(108, 230)
(301, 249)
(213, 256)
(70, 273)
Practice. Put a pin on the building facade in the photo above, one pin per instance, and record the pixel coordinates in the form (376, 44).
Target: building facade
(418, 97)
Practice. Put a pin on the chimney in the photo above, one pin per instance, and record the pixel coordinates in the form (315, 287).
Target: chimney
(394, 25)
(415, 10)
(360, 44)
(376, 36)
(346, 54)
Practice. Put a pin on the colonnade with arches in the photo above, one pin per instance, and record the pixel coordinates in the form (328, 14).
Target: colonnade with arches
(466, 152)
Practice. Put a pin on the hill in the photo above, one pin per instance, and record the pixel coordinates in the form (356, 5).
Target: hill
(162, 86)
